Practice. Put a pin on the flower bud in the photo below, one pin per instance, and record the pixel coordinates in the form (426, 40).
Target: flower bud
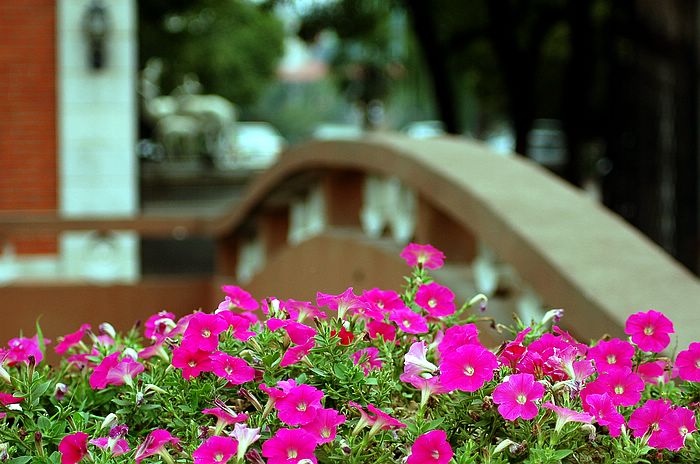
(60, 391)
(155, 388)
(254, 457)
(130, 352)
(107, 329)
(4, 456)
(109, 421)
(553, 315)
(4, 375)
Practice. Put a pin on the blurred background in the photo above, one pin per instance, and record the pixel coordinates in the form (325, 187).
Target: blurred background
(128, 110)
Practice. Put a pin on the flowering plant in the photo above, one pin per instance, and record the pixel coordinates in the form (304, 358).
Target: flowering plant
(380, 377)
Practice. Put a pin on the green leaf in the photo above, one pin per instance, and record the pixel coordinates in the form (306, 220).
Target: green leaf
(20, 460)
(40, 336)
(40, 389)
(561, 454)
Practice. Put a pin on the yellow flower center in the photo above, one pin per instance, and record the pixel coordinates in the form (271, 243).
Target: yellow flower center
(292, 453)
(648, 330)
(192, 363)
(325, 432)
(432, 303)
(206, 333)
(301, 407)
(469, 371)
(619, 389)
(521, 399)
(612, 359)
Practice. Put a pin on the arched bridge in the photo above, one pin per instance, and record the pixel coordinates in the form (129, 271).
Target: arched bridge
(331, 214)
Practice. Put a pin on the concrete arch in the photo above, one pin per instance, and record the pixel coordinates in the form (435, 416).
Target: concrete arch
(574, 253)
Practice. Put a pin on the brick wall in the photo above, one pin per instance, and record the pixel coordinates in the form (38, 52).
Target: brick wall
(28, 148)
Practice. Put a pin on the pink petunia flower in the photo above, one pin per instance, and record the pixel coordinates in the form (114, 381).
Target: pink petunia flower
(157, 349)
(423, 255)
(324, 425)
(299, 311)
(368, 359)
(159, 326)
(428, 385)
(235, 370)
(516, 397)
(299, 405)
(215, 450)
(431, 447)
(203, 331)
(239, 298)
(467, 368)
(344, 303)
(647, 418)
(624, 386)
(415, 362)
(73, 447)
(112, 371)
(245, 436)
(155, 444)
(238, 323)
(298, 333)
(437, 300)
(382, 420)
(688, 363)
(654, 372)
(379, 301)
(72, 339)
(294, 354)
(224, 416)
(408, 321)
(116, 446)
(192, 362)
(650, 330)
(289, 446)
(7, 399)
(378, 328)
(613, 353)
(458, 335)
(22, 349)
(514, 350)
(605, 413)
(675, 428)
(566, 415)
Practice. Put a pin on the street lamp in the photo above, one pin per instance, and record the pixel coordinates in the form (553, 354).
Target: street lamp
(96, 26)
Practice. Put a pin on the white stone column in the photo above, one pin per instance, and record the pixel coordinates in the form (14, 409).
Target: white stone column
(97, 124)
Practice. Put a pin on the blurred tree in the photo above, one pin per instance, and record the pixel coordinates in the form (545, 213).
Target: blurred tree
(233, 46)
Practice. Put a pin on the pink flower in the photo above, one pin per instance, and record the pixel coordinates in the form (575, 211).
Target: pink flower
(289, 446)
(439, 301)
(378, 328)
(73, 448)
(513, 351)
(71, 339)
(159, 325)
(215, 450)
(238, 323)
(298, 333)
(7, 399)
(624, 386)
(688, 363)
(192, 362)
(646, 419)
(467, 368)
(416, 362)
(458, 335)
(431, 447)
(203, 331)
(299, 406)
(603, 409)
(566, 415)
(516, 397)
(613, 353)
(299, 311)
(324, 425)
(427, 385)
(155, 444)
(22, 349)
(225, 416)
(117, 446)
(675, 427)
(408, 321)
(294, 354)
(112, 371)
(343, 303)
(654, 372)
(235, 370)
(423, 255)
(382, 420)
(368, 359)
(381, 301)
(649, 330)
(157, 349)
(245, 436)
(238, 298)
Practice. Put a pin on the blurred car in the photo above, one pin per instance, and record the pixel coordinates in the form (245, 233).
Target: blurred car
(256, 145)
(425, 129)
